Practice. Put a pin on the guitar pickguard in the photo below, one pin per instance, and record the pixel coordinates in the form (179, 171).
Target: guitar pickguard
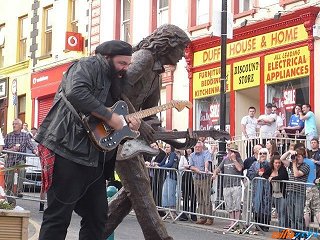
(114, 138)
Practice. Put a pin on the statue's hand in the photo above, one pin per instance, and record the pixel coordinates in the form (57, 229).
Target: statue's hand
(146, 131)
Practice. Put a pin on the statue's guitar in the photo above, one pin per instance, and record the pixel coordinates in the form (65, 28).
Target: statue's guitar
(106, 139)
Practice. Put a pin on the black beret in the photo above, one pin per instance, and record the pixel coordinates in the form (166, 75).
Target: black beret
(114, 47)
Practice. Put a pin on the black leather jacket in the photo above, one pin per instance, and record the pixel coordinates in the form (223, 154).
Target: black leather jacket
(86, 85)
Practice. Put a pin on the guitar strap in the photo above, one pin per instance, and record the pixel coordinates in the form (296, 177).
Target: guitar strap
(73, 110)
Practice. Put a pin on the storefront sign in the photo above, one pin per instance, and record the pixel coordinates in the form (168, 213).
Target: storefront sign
(47, 81)
(246, 74)
(205, 122)
(252, 45)
(289, 98)
(74, 41)
(287, 65)
(207, 83)
(214, 112)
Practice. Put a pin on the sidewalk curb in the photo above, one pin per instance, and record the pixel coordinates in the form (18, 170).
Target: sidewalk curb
(37, 230)
(216, 229)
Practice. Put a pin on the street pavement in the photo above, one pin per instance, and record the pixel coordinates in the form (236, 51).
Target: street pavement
(130, 229)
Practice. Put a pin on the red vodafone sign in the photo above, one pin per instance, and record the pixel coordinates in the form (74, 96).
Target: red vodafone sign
(74, 41)
(47, 81)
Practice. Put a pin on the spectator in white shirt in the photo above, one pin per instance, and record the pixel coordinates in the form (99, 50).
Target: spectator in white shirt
(268, 123)
(249, 129)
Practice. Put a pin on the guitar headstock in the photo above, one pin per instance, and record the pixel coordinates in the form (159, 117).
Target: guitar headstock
(181, 104)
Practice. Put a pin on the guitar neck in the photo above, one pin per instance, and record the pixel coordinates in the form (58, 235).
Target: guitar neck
(151, 111)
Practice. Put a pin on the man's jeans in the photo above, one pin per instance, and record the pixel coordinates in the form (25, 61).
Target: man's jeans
(295, 206)
(280, 204)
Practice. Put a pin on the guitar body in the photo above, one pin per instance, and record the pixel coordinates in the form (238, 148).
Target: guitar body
(104, 137)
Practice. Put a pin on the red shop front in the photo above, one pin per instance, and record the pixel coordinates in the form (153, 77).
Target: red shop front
(268, 61)
(44, 85)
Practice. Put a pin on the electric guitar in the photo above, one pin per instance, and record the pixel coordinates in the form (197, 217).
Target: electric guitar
(106, 139)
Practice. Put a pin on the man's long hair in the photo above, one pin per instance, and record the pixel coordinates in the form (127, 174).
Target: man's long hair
(163, 39)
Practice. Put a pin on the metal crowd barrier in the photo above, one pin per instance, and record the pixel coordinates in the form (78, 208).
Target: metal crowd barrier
(24, 182)
(295, 209)
(198, 196)
(246, 204)
(282, 144)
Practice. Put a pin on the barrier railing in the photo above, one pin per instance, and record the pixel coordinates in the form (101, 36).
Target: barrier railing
(296, 205)
(282, 143)
(244, 203)
(23, 182)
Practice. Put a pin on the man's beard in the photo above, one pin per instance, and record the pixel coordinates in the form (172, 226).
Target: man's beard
(118, 79)
(113, 72)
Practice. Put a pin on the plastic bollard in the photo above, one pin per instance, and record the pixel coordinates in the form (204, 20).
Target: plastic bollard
(111, 191)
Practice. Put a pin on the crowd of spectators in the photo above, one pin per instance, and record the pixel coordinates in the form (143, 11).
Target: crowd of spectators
(284, 188)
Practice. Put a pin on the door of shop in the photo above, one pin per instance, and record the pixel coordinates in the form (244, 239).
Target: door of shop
(3, 115)
(246, 98)
(44, 107)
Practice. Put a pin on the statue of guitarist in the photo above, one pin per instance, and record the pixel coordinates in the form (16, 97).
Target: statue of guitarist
(165, 46)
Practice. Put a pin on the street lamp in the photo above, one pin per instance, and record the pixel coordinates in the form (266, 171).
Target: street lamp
(223, 80)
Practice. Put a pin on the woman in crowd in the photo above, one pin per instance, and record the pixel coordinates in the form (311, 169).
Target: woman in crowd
(261, 193)
(187, 188)
(169, 186)
(272, 148)
(275, 173)
(156, 175)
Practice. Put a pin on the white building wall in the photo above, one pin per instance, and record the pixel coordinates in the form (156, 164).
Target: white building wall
(140, 22)
(107, 26)
(180, 92)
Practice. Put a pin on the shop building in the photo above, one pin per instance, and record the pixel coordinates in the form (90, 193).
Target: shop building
(44, 85)
(267, 61)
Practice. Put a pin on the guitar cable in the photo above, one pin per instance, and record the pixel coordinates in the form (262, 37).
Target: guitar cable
(86, 189)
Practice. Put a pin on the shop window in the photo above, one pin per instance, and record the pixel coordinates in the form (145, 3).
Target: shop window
(47, 38)
(207, 112)
(22, 107)
(125, 21)
(286, 94)
(22, 31)
(162, 12)
(2, 42)
(73, 15)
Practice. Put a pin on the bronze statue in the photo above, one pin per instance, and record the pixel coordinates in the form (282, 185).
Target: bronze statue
(165, 46)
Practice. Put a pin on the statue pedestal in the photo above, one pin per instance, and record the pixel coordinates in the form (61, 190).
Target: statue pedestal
(14, 224)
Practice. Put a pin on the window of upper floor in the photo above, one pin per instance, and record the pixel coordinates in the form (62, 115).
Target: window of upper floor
(242, 8)
(47, 30)
(22, 37)
(159, 13)
(22, 107)
(73, 16)
(2, 42)
(200, 12)
(162, 12)
(125, 20)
